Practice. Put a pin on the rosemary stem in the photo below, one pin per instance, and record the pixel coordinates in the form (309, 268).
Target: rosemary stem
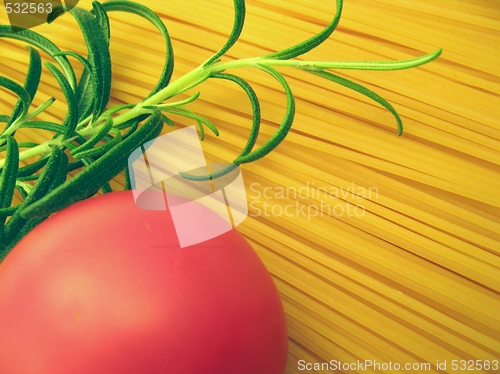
(197, 75)
(356, 65)
(31, 152)
(171, 90)
(202, 73)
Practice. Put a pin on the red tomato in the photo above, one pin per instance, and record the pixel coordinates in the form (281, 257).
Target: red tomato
(102, 287)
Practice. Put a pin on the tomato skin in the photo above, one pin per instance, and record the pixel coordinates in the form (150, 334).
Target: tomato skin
(103, 287)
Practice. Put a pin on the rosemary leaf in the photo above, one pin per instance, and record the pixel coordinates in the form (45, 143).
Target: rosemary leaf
(32, 168)
(284, 128)
(102, 19)
(148, 14)
(102, 149)
(41, 42)
(53, 176)
(253, 133)
(78, 56)
(99, 58)
(85, 93)
(57, 12)
(71, 119)
(9, 174)
(24, 96)
(311, 43)
(30, 84)
(44, 125)
(362, 90)
(254, 100)
(239, 20)
(103, 131)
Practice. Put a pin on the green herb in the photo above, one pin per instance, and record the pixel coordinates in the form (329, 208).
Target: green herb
(100, 139)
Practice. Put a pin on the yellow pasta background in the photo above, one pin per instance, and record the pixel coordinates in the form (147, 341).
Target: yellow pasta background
(382, 247)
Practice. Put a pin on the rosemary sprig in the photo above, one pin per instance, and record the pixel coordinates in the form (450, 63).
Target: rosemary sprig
(100, 139)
